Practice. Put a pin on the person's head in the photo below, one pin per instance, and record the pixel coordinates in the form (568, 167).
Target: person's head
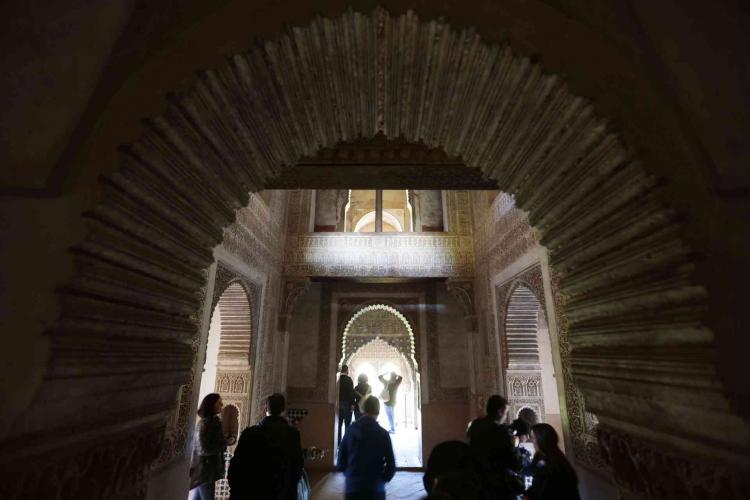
(344, 369)
(545, 438)
(210, 406)
(445, 458)
(275, 404)
(393, 375)
(463, 484)
(497, 407)
(362, 379)
(528, 415)
(521, 429)
(371, 407)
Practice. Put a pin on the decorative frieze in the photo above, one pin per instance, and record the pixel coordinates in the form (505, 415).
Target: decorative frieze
(384, 254)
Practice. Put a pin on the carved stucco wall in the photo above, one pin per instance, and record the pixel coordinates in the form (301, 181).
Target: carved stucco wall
(503, 236)
(448, 254)
(378, 321)
(255, 240)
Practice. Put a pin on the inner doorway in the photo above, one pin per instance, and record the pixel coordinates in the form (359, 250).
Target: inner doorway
(377, 341)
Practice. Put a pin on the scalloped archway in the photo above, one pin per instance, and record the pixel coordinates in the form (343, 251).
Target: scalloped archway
(349, 348)
(626, 274)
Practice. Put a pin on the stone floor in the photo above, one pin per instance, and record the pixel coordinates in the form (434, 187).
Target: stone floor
(405, 485)
(407, 447)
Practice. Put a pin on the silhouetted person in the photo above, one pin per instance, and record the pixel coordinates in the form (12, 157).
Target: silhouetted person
(207, 465)
(521, 432)
(361, 390)
(491, 442)
(366, 456)
(554, 477)
(529, 416)
(347, 400)
(268, 460)
(391, 389)
(450, 464)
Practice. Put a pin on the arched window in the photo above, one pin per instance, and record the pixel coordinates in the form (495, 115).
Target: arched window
(367, 223)
(227, 369)
(521, 326)
(369, 211)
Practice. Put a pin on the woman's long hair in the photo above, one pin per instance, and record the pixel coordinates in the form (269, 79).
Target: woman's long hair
(546, 442)
(208, 405)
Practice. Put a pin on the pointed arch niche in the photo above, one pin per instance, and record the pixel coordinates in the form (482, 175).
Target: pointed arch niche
(227, 369)
(529, 374)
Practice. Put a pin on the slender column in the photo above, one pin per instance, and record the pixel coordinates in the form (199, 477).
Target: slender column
(379, 211)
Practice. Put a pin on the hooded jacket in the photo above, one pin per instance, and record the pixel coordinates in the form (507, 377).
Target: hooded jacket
(366, 457)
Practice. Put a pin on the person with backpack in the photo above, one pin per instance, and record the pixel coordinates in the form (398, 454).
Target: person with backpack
(268, 461)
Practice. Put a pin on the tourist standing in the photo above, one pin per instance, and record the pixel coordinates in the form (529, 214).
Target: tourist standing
(362, 391)
(366, 456)
(553, 476)
(268, 460)
(390, 389)
(207, 465)
(491, 441)
(347, 399)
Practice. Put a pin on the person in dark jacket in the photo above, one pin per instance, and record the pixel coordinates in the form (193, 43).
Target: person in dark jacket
(207, 465)
(553, 476)
(492, 444)
(347, 399)
(268, 460)
(361, 390)
(448, 461)
(366, 456)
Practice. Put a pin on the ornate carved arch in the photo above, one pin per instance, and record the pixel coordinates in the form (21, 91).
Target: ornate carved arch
(405, 346)
(627, 276)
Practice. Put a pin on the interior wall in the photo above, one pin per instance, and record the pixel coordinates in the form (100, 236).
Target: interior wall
(508, 252)
(430, 210)
(304, 339)
(249, 253)
(329, 209)
(452, 342)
